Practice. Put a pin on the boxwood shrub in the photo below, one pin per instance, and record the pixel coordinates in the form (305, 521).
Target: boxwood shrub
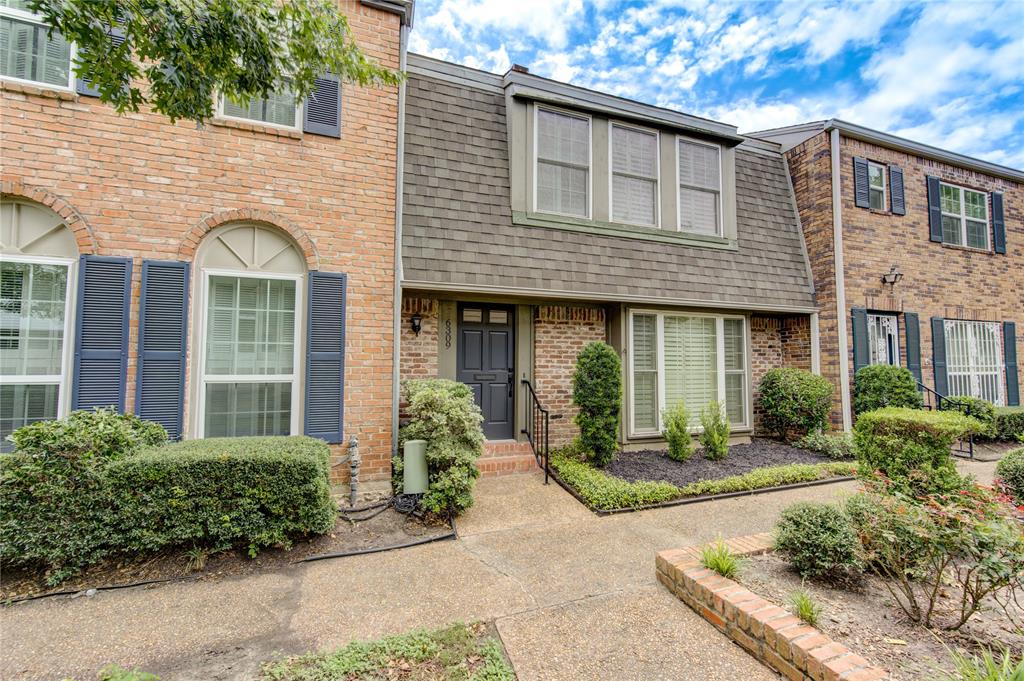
(1010, 471)
(884, 385)
(1009, 424)
(817, 539)
(981, 410)
(794, 402)
(597, 391)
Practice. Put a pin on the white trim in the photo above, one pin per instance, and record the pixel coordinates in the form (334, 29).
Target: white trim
(657, 173)
(590, 159)
(720, 227)
(29, 17)
(837, 250)
(962, 217)
(815, 345)
(885, 191)
(297, 127)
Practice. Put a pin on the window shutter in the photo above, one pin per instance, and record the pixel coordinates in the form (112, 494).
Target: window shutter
(83, 85)
(939, 356)
(163, 330)
(860, 338)
(913, 325)
(896, 202)
(934, 210)
(325, 357)
(862, 195)
(101, 336)
(322, 110)
(1010, 358)
(998, 223)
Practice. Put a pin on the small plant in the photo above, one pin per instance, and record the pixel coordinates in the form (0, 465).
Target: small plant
(718, 557)
(981, 410)
(1010, 470)
(884, 385)
(985, 667)
(115, 672)
(805, 607)
(794, 402)
(597, 391)
(817, 540)
(836, 446)
(196, 559)
(715, 436)
(677, 432)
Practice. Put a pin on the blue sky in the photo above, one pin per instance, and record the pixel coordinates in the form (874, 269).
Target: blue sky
(949, 74)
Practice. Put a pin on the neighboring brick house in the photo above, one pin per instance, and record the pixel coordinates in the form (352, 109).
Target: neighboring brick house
(234, 279)
(538, 217)
(952, 227)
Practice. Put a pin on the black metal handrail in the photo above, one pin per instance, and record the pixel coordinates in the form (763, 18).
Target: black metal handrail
(934, 400)
(536, 428)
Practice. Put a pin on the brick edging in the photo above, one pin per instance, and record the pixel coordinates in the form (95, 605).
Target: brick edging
(768, 632)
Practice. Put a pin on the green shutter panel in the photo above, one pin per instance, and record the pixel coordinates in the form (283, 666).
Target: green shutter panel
(913, 326)
(321, 112)
(998, 223)
(163, 331)
(934, 210)
(1010, 358)
(84, 86)
(861, 193)
(896, 201)
(860, 338)
(101, 335)
(325, 357)
(939, 356)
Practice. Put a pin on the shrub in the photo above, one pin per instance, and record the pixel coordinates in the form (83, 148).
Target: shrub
(677, 432)
(980, 410)
(985, 667)
(715, 436)
(116, 672)
(597, 391)
(794, 401)
(805, 607)
(836, 446)
(883, 385)
(1009, 426)
(770, 476)
(444, 414)
(1010, 470)
(911, 446)
(606, 492)
(718, 557)
(817, 540)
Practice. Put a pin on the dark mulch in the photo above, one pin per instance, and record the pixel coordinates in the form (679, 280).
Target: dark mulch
(652, 464)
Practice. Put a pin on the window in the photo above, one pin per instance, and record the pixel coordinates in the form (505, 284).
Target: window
(964, 216)
(876, 186)
(691, 358)
(974, 360)
(27, 52)
(634, 176)
(279, 109)
(883, 339)
(700, 187)
(562, 172)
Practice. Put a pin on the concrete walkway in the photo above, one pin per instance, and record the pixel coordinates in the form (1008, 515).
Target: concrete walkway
(573, 596)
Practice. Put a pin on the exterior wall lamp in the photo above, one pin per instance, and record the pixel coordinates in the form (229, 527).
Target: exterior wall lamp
(893, 277)
(417, 324)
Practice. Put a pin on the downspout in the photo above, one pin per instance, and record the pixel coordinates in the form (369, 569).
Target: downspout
(399, 172)
(837, 249)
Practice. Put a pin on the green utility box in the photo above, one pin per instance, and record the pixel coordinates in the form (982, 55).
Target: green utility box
(414, 468)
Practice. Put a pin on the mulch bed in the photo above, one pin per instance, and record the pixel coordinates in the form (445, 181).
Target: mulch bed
(655, 465)
(390, 528)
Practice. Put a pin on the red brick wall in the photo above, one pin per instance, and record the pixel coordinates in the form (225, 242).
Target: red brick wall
(418, 357)
(777, 342)
(144, 188)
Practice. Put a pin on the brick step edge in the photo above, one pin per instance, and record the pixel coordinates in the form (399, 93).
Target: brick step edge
(491, 466)
(771, 634)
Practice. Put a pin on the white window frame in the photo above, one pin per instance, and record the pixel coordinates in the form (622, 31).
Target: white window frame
(872, 319)
(720, 227)
(974, 372)
(297, 369)
(253, 121)
(660, 364)
(962, 216)
(537, 108)
(884, 188)
(36, 19)
(657, 173)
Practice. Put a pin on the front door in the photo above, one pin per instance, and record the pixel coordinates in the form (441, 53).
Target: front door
(485, 353)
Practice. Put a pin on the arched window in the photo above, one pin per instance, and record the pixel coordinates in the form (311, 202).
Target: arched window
(246, 349)
(38, 257)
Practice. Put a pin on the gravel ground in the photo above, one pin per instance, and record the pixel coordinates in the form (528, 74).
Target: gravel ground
(655, 465)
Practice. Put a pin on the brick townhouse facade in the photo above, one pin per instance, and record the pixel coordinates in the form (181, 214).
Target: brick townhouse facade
(230, 279)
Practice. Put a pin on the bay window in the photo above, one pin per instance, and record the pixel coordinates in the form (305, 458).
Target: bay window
(28, 51)
(562, 168)
(700, 187)
(964, 216)
(974, 359)
(634, 172)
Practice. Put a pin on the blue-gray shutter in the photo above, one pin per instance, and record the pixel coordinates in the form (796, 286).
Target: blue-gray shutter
(1010, 358)
(860, 338)
(84, 86)
(861, 191)
(934, 210)
(322, 111)
(939, 356)
(163, 331)
(325, 357)
(101, 334)
(998, 223)
(913, 327)
(896, 201)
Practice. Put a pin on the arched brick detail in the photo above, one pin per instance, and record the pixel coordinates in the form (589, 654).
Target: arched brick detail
(78, 225)
(189, 244)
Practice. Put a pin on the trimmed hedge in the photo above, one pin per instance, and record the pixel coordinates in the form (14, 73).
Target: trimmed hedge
(1009, 425)
(597, 391)
(836, 446)
(882, 385)
(771, 476)
(794, 402)
(981, 410)
(1010, 471)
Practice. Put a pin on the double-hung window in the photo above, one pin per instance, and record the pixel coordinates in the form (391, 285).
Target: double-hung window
(27, 52)
(876, 186)
(700, 187)
(278, 109)
(974, 359)
(964, 216)
(883, 339)
(634, 176)
(562, 170)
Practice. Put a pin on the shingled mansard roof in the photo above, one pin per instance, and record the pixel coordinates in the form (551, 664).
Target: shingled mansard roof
(458, 233)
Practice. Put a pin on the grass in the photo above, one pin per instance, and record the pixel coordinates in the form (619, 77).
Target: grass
(805, 607)
(719, 558)
(985, 667)
(456, 653)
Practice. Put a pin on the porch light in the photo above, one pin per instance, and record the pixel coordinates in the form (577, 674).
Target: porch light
(417, 324)
(893, 277)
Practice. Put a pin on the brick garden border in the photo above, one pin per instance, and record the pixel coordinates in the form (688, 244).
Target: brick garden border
(768, 632)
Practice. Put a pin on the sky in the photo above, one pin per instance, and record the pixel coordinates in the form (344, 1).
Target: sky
(950, 74)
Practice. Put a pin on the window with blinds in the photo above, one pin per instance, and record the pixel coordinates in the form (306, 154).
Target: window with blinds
(974, 360)
(562, 171)
(28, 51)
(278, 109)
(634, 170)
(700, 187)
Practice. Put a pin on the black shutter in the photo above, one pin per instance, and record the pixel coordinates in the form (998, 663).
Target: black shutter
(913, 325)
(1010, 358)
(325, 357)
(84, 86)
(163, 330)
(322, 110)
(861, 193)
(896, 202)
(860, 338)
(939, 356)
(998, 223)
(934, 210)
(101, 336)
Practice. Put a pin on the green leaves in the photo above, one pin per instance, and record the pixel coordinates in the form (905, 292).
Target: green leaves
(794, 401)
(882, 385)
(597, 391)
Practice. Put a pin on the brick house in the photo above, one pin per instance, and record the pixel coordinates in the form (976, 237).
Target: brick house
(236, 279)
(539, 216)
(951, 230)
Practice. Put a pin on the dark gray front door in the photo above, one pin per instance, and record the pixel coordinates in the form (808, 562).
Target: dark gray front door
(485, 352)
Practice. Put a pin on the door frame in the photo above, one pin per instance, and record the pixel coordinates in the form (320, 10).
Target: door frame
(512, 310)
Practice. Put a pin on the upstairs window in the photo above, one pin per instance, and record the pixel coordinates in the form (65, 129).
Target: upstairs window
(562, 172)
(634, 176)
(27, 53)
(964, 216)
(700, 187)
(279, 109)
(876, 186)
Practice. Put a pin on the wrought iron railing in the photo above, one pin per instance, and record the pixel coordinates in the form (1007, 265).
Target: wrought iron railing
(935, 401)
(536, 428)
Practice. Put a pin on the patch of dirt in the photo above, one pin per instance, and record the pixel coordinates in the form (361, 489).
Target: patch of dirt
(389, 528)
(652, 464)
(864, 617)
